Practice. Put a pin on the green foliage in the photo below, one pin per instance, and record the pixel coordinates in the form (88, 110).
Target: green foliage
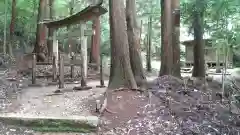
(221, 19)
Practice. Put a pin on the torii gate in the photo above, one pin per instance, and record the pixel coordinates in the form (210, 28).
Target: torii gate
(89, 13)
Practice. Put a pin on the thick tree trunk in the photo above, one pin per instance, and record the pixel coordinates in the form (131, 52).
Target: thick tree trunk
(40, 45)
(176, 34)
(133, 39)
(120, 73)
(12, 24)
(198, 51)
(95, 45)
(50, 30)
(166, 48)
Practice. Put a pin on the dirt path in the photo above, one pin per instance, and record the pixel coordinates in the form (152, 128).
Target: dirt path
(37, 102)
(34, 101)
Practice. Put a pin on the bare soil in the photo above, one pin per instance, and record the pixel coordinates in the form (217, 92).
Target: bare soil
(175, 111)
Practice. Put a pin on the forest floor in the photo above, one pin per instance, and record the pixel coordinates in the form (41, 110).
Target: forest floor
(131, 112)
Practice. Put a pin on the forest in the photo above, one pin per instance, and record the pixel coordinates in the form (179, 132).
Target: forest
(164, 67)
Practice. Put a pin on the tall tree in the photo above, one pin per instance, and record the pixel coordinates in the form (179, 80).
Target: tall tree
(50, 30)
(40, 45)
(198, 51)
(149, 45)
(175, 40)
(12, 26)
(120, 72)
(133, 32)
(166, 32)
(95, 42)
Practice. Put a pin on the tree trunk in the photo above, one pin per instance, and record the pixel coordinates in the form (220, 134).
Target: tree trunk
(198, 51)
(70, 42)
(12, 24)
(120, 72)
(133, 32)
(95, 45)
(40, 45)
(176, 34)
(50, 30)
(166, 48)
(149, 45)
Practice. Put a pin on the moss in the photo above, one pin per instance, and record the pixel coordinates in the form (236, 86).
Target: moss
(62, 129)
(52, 125)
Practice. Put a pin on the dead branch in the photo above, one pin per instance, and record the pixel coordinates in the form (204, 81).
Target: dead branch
(122, 89)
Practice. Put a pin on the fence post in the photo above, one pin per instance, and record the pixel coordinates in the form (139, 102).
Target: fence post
(34, 62)
(101, 73)
(61, 72)
(73, 58)
(54, 67)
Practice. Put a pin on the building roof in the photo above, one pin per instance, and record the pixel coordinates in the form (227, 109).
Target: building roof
(86, 14)
(192, 42)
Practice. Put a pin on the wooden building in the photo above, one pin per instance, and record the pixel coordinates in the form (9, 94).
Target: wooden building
(213, 55)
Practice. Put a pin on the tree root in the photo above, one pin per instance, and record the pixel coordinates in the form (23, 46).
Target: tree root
(101, 108)
(122, 89)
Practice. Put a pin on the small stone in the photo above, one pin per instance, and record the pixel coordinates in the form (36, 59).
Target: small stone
(13, 130)
(119, 97)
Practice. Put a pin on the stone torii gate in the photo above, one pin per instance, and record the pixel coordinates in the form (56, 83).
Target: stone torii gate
(89, 13)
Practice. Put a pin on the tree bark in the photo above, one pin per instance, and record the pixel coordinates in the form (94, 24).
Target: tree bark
(133, 32)
(12, 26)
(176, 35)
(120, 72)
(95, 45)
(166, 31)
(40, 45)
(198, 51)
(50, 30)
